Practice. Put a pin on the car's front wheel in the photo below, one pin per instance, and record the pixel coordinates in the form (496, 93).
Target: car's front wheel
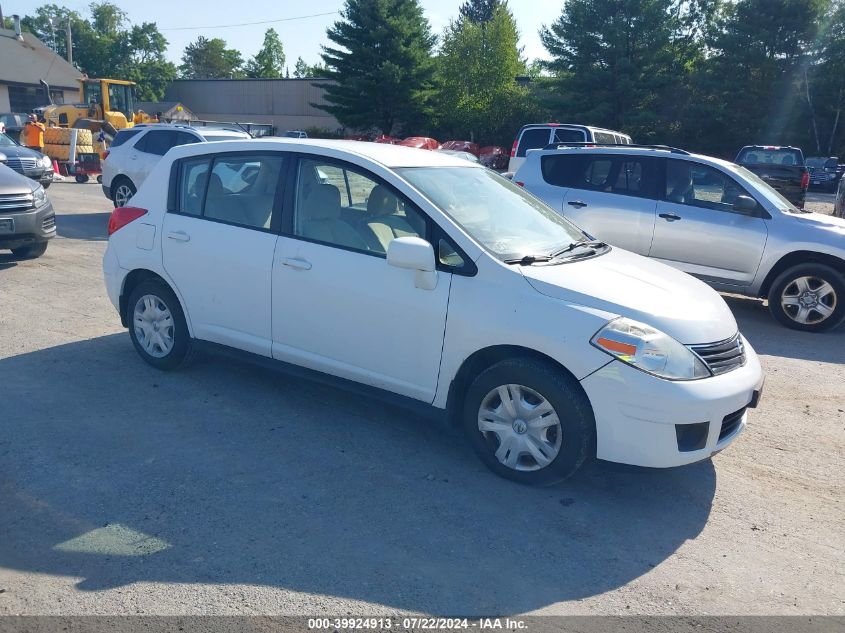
(529, 421)
(808, 297)
(122, 192)
(157, 325)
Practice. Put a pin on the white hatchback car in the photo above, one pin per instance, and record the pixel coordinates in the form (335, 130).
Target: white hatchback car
(440, 283)
(136, 150)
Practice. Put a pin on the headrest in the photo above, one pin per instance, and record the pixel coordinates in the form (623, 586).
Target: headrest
(323, 203)
(382, 201)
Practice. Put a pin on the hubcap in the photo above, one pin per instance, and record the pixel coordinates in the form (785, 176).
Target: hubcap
(153, 326)
(808, 300)
(122, 195)
(521, 426)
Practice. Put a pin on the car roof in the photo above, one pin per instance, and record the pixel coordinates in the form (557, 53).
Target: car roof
(629, 150)
(201, 130)
(383, 153)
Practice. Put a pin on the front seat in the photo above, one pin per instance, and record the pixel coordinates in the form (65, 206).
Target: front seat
(321, 219)
(384, 223)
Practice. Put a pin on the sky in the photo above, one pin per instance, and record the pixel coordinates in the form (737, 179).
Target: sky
(182, 21)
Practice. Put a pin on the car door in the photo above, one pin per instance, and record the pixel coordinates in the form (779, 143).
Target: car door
(610, 196)
(699, 231)
(338, 307)
(218, 242)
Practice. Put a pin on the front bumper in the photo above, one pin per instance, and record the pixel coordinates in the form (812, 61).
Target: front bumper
(638, 415)
(31, 227)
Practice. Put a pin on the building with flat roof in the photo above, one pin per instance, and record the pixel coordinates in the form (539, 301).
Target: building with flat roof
(24, 62)
(284, 103)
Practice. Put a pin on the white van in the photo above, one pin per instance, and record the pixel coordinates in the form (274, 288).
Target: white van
(538, 135)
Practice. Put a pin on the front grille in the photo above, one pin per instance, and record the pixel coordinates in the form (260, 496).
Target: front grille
(13, 202)
(22, 165)
(722, 357)
(731, 423)
(49, 223)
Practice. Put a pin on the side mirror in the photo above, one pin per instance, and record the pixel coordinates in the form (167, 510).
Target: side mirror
(745, 205)
(414, 253)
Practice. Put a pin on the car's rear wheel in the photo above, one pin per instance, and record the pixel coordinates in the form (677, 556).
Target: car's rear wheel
(157, 325)
(30, 252)
(808, 297)
(122, 192)
(81, 178)
(529, 421)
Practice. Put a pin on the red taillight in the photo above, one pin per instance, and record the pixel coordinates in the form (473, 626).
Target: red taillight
(513, 147)
(122, 216)
(805, 180)
(106, 154)
(521, 184)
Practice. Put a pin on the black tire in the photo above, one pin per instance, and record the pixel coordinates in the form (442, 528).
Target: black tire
(30, 252)
(180, 351)
(100, 179)
(786, 283)
(568, 400)
(119, 182)
(81, 178)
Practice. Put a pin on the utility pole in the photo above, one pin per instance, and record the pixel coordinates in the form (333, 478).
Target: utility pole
(69, 44)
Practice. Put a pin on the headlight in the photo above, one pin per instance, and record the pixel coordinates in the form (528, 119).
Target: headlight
(649, 350)
(39, 197)
(46, 163)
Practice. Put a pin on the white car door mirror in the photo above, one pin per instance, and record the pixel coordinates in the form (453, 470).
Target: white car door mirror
(414, 253)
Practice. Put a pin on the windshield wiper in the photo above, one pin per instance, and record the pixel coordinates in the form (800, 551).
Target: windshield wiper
(578, 244)
(527, 260)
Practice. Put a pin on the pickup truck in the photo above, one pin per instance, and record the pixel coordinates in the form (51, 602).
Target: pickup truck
(782, 168)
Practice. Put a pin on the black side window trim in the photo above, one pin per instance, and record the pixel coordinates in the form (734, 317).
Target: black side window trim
(279, 198)
(434, 232)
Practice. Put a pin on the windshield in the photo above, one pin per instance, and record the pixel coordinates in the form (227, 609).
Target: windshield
(815, 162)
(763, 188)
(501, 216)
(5, 141)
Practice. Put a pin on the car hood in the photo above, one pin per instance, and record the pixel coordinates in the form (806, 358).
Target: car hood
(17, 151)
(11, 182)
(641, 289)
(819, 221)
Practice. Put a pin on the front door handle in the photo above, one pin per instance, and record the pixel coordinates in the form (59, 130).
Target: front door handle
(295, 262)
(179, 236)
(577, 204)
(670, 217)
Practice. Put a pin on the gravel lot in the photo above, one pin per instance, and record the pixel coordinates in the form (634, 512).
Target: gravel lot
(226, 488)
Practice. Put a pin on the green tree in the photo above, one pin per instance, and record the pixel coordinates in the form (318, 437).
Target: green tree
(479, 10)
(302, 70)
(478, 95)
(210, 59)
(617, 63)
(380, 60)
(269, 62)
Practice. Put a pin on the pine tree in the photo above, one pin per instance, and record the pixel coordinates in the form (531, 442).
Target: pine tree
(380, 60)
(480, 11)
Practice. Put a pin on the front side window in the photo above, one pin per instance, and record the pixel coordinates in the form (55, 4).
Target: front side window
(345, 206)
(502, 217)
(700, 185)
(236, 189)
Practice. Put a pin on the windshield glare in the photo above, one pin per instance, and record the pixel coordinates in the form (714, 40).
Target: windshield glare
(5, 141)
(764, 189)
(502, 217)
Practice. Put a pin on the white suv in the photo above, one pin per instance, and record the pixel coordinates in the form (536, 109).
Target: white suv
(136, 150)
(439, 283)
(705, 216)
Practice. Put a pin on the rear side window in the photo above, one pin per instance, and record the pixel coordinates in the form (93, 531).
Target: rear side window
(532, 138)
(156, 142)
(604, 137)
(564, 135)
(124, 135)
(770, 156)
(235, 189)
(622, 175)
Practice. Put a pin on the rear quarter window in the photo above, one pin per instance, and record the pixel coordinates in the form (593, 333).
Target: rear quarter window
(533, 138)
(123, 136)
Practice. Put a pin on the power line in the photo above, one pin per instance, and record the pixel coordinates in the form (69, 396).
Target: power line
(230, 26)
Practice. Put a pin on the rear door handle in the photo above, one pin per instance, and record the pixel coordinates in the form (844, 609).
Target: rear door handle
(179, 236)
(670, 217)
(577, 204)
(295, 262)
